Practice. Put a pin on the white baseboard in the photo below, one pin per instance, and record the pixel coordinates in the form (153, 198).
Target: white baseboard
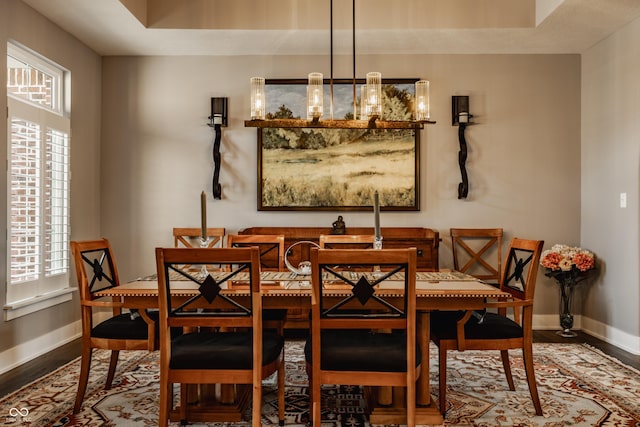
(621, 339)
(606, 333)
(552, 321)
(29, 350)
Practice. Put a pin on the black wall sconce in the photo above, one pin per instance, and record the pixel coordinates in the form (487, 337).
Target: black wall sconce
(461, 117)
(217, 119)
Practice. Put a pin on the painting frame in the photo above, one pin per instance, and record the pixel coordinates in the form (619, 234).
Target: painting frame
(337, 169)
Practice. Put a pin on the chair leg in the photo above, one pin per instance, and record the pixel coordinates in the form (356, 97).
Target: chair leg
(316, 419)
(411, 404)
(315, 400)
(256, 409)
(527, 354)
(442, 378)
(310, 382)
(112, 368)
(507, 368)
(166, 400)
(185, 400)
(281, 394)
(85, 365)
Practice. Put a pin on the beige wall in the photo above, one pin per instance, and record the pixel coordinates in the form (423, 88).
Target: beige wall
(610, 166)
(20, 23)
(524, 159)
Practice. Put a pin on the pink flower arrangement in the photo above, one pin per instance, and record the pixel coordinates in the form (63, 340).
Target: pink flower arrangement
(567, 264)
(565, 258)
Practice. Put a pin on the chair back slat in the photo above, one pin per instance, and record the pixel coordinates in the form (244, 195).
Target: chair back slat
(271, 248)
(346, 241)
(369, 299)
(478, 252)
(521, 268)
(190, 237)
(95, 267)
(211, 306)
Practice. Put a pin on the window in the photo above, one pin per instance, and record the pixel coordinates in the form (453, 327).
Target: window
(34, 79)
(39, 179)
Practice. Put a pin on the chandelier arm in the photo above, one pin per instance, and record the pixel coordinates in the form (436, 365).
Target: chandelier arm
(353, 46)
(331, 63)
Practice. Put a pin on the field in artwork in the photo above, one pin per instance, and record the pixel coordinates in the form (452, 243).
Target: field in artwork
(343, 175)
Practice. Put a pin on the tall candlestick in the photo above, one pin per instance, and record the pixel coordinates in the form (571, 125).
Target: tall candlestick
(376, 214)
(203, 215)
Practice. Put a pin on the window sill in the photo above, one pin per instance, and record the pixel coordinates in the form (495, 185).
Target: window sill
(31, 305)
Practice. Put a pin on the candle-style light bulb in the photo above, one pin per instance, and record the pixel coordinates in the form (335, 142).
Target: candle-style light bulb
(422, 100)
(257, 98)
(374, 96)
(314, 96)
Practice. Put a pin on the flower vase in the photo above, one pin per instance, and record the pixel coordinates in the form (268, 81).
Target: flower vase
(566, 318)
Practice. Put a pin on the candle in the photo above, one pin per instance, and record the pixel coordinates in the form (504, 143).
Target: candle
(203, 215)
(376, 213)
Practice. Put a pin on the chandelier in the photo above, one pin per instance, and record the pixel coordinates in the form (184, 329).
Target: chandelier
(371, 108)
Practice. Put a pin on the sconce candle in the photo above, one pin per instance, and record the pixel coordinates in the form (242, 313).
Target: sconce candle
(314, 96)
(258, 104)
(374, 94)
(422, 100)
(203, 215)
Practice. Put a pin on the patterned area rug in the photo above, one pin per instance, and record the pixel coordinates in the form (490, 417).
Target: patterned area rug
(578, 385)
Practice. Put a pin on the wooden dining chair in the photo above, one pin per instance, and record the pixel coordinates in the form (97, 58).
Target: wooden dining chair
(346, 241)
(271, 248)
(342, 349)
(225, 342)
(509, 328)
(478, 252)
(190, 237)
(271, 259)
(96, 270)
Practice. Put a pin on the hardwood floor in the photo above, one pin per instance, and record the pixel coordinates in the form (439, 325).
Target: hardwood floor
(34, 369)
(40, 366)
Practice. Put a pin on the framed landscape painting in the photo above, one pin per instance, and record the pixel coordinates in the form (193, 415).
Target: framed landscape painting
(310, 169)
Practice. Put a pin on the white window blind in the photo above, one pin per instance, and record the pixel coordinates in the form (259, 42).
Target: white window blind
(24, 201)
(56, 203)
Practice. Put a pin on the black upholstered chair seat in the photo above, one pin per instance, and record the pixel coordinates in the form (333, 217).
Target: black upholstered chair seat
(493, 326)
(274, 314)
(121, 327)
(362, 351)
(222, 350)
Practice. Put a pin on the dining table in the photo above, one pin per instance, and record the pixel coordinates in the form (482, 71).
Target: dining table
(439, 290)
